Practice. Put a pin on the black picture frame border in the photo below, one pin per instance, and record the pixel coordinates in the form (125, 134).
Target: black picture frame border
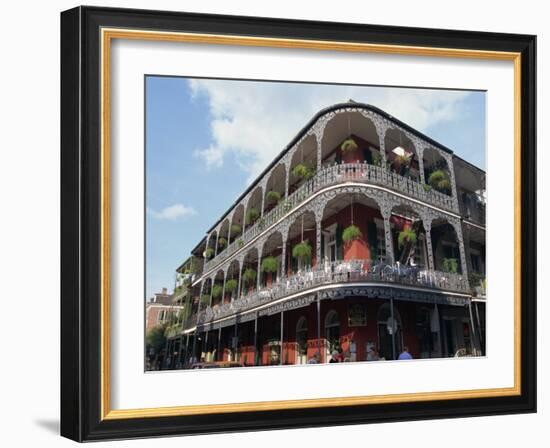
(81, 213)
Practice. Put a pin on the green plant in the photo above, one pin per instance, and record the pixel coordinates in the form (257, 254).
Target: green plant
(252, 214)
(348, 146)
(240, 243)
(476, 279)
(236, 229)
(403, 160)
(261, 223)
(450, 265)
(270, 265)
(302, 251)
(406, 236)
(273, 196)
(155, 338)
(439, 180)
(231, 285)
(209, 253)
(217, 291)
(249, 276)
(351, 233)
(205, 299)
(302, 171)
(426, 187)
(222, 242)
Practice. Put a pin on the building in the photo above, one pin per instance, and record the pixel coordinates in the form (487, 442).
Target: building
(159, 309)
(362, 234)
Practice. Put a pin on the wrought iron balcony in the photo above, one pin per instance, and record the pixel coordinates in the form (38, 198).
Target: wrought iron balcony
(337, 272)
(333, 175)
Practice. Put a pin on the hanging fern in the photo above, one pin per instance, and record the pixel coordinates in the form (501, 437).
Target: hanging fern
(222, 242)
(351, 233)
(236, 229)
(273, 196)
(450, 265)
(208, 253)
(205, 299)
(406, 236)
(249, 276)
(217, 291)
(252, 215)
(302, 251)
(302, 171)
(439, 180)
(348, 146)
(231, 285)
(270, 265)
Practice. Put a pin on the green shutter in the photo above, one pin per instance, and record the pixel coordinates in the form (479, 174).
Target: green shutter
(322, 248)
(367, 155)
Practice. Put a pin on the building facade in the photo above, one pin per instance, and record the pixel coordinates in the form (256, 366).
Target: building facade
(362, 238)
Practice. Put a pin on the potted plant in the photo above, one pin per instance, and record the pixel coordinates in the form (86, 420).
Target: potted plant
(217, 291)
(222, 242)
(249, 277)
(252, 215)
(348, 146)
(351, 233)
(401, 162)
(205, 299)
(406, 236)
(208, 253)
(236, 229)
(270, 265)
(240, 243)
(231, 286)
(439, 180)
(302, 251)
(302, 171)
(349, 151)
(450, 265)
(273, 196)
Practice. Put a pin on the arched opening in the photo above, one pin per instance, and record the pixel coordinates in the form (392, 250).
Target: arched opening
(301, 243)
(390, 331)
(436, 171)
(352, 229)
(301, 340)
(250, 272)
(237, 224)
(303, 165)
(270, 267)
(408, 237)
(446, 247)
(275, 187)
(350, 137)
(231, 282)
(210, 250)
(332, 334)
(222, 238)
(217, 289)
(205, 297)
(253, 208)
(401, 154)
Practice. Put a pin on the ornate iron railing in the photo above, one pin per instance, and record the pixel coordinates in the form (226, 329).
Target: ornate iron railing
(338, 272)
(333, 175)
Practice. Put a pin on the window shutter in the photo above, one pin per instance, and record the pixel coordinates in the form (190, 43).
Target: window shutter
(322, 248)
(372, 236)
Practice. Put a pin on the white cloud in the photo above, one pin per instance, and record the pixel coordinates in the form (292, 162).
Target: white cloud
(172, 212)
(254, 121)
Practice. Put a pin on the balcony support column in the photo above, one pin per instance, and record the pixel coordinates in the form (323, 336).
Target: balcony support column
(205, 346)
(458, 229)
(450, 166)
(386, 214)
(216, 247)
(429, 248)
(394, 327)
(287, 177)
(240, 280)
(466, 236)
(319, 327)
(259, 273)
(211, 289)
(223, 287)
(420, 155)
(318, 231)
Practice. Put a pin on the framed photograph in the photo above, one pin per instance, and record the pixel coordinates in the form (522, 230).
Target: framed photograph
(259, 214)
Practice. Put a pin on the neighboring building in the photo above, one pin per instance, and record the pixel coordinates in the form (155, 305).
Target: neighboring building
(160, 310)
(361, 234)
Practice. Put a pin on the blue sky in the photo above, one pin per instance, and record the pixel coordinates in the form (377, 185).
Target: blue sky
(206, 140)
